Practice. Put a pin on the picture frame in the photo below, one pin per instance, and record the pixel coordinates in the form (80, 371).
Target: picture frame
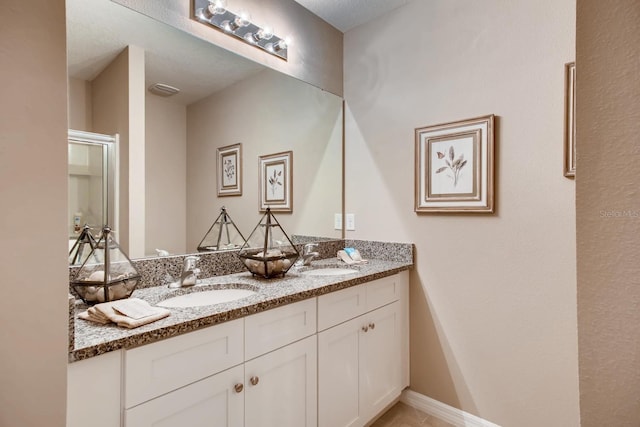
(454, 166)
(275, 180)
(229, 170)
(570, 120)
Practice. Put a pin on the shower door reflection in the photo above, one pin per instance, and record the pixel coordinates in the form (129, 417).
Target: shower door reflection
(91, 182)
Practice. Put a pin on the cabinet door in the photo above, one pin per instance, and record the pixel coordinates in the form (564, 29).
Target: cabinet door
(359, 367)
(212, 402)
(338, 375)
(380, 367)
(281, 387)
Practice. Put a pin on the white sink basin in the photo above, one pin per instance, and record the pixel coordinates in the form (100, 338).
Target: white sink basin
(199, 299)
(332, 271)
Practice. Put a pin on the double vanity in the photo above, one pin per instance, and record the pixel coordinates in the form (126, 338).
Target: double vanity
(326, 345)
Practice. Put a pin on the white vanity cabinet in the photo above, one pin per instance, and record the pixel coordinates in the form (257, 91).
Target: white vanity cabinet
(335, 360)
(205, 378)
(93, 391)
(361, 361)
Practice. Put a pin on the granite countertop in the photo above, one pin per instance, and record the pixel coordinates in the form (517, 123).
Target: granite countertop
(89, 339)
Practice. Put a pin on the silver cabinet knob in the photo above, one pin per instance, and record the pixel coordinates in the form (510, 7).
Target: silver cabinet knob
(238, 388)
(254, 380)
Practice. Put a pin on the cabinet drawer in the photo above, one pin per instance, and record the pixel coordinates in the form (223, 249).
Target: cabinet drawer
(278, 327)
(340, 306)
(382, 292)
(155, 369)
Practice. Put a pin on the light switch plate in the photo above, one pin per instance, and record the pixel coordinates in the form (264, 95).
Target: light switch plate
(350, 222)
(337, 221)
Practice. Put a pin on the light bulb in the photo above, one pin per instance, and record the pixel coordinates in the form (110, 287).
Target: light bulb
(281, 45)
(204, 14)
(251, 38)
(243, 19)
(217, 7)
(228, 26)
(264, 33)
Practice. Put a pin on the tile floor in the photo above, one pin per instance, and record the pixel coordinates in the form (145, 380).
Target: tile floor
(401, 415)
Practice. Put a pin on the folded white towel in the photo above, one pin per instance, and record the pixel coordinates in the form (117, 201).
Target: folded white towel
(129, 313)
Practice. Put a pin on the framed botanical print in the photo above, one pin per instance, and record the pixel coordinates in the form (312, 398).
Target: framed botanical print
(229, 165)
(570, 120)
(454, 166)
(276, 182)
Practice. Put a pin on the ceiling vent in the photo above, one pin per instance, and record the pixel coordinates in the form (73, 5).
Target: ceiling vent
(161, 89)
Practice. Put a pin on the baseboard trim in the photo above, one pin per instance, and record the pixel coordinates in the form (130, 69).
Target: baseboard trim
(443, 411)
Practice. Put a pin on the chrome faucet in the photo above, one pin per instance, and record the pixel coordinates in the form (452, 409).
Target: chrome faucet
(307, 254)
(189, 274)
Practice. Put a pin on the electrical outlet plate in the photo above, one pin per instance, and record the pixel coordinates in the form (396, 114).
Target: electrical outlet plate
(350, 222)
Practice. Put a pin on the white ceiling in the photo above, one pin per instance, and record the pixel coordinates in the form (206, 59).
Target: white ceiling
(98, 30)
(347, 14)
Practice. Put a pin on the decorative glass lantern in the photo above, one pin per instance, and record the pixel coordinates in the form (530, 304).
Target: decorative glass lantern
(223, 235)
(82, 247)
(268, 251)
(107, 274)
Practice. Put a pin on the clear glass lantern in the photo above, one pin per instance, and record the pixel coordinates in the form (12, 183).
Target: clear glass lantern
(268, 251)
(223, 235)
(107, 274)
(85, 243)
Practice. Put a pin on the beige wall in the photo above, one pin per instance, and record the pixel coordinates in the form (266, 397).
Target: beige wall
(166, 176)
(80, 109)
(493, 304)
(118, 101)
(315, 54)
(33, 177)
(268, 113)
(608, 211)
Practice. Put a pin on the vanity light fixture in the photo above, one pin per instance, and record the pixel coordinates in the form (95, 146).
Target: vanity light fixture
(215, 14)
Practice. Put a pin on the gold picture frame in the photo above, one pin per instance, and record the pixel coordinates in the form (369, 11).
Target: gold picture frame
(570, 120)
(454, 166)
(275, 179)
(229, 165)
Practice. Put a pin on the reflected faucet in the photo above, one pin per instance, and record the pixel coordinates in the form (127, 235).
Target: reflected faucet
(307, 254)
(189, 275)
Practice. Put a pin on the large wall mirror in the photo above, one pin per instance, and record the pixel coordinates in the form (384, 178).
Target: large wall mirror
(168, 196)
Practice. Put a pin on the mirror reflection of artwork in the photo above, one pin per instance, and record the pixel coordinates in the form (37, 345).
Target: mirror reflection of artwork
(230, 170)
(454, 166)
(276, 182)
